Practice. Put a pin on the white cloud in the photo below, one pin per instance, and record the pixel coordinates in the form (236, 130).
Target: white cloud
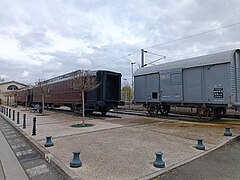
(84, 63)
(25, 74)
(3, 76)
(10, 50)
(47, 38)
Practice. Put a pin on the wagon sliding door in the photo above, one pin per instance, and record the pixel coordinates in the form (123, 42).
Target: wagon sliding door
(217, 83)
(193, 85)
(140, 89)
(235, 79)
(171, 85)
(152, 88)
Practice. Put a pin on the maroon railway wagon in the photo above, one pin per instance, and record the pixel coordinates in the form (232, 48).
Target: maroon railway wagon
(61, 93)
(24, 96)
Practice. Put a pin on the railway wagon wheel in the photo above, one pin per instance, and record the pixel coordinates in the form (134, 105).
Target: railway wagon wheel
(152, 110)
(205, 113)
(218, 112)
(164, 110)
(104, 111)
(211, 114)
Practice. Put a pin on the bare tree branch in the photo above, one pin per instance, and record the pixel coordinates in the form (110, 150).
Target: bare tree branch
(42, 88)
(84, 81)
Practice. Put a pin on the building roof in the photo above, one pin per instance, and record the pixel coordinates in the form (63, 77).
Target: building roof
(9, 82)
(217, 58)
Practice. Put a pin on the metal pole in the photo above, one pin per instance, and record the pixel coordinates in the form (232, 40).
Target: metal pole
(24, 121)
(142, 58)
(13, 115)
(34, 127)
(9, 114)
(17, 117)
(132, 79)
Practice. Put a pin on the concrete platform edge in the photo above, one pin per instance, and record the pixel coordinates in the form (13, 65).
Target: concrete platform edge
(174, 166)
(58, 165)
(2, 173)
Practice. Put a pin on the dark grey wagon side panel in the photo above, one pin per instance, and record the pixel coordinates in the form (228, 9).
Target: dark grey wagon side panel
(211, 80)
(152, 87)
(217, 83)
(237, 76)
(192, 82)
(171, 85)
(140, 88)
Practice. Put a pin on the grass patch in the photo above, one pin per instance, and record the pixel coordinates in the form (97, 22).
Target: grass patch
(82, 125)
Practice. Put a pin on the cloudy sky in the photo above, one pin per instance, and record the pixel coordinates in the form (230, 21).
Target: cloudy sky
(46, 38)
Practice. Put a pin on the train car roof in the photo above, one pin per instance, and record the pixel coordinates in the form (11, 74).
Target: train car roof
(67, 76)
(217, 58)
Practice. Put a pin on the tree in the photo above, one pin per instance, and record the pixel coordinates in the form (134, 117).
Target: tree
(2, 80)
(42, 87)
(26, 93)
(127, 94)
(83, 81)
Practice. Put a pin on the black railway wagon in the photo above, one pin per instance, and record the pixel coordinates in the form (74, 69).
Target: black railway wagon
(211, 83)
(61, 93)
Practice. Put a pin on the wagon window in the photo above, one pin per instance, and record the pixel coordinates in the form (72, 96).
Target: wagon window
(154, 95)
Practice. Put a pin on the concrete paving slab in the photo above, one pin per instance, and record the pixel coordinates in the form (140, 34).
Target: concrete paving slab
(2, 175)
(221, 164)
(13, 171)
(125, 153)
(65, 129)
(212, 134)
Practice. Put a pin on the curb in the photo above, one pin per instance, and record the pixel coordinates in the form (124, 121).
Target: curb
(174, 166)
(53, 161)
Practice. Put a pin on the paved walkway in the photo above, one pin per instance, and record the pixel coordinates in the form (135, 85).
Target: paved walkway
(116, 147)
(19, 159)
(10, 167)
(221, 164)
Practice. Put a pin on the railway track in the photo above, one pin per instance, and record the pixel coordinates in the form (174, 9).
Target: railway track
(172, 116)
(229, 119)
(183, 116)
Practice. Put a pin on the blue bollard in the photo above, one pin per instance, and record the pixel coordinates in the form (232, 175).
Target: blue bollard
(227, 132)
(76, 162)
(159, 163)
(49, 142)
(200, 145)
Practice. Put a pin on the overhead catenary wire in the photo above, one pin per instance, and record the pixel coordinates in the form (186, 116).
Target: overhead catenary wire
(202, 51)
(175, 40)
(125, 56)
(193, 35)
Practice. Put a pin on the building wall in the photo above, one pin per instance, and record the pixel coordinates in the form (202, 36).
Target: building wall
(5, 98)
